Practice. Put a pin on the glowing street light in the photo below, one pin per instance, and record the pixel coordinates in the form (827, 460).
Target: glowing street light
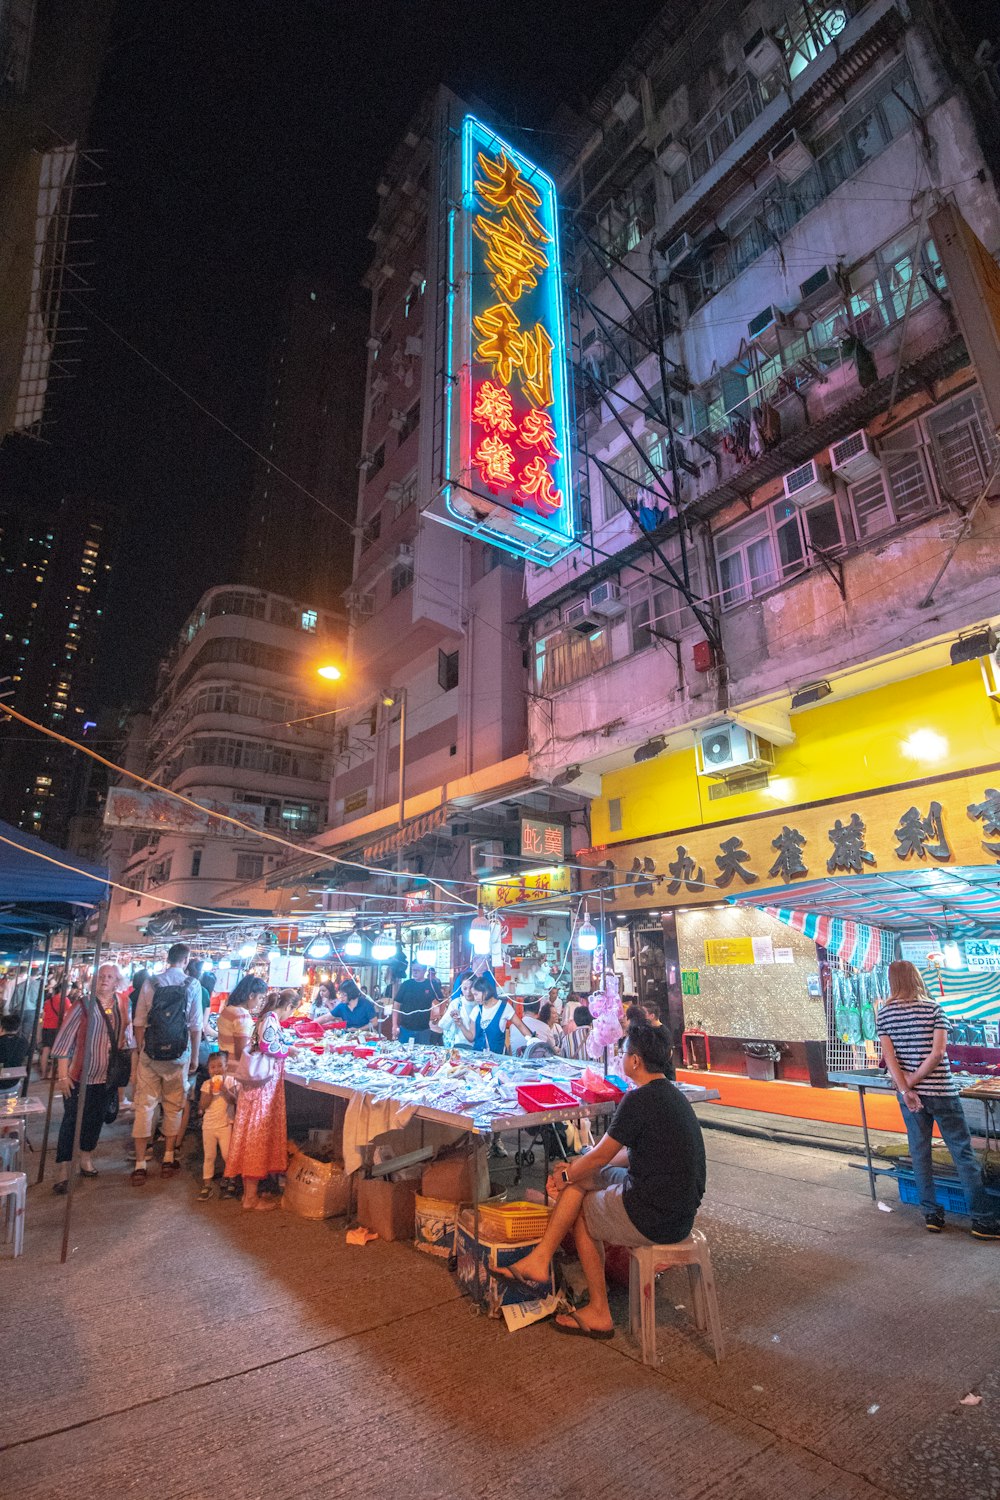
(329, 672)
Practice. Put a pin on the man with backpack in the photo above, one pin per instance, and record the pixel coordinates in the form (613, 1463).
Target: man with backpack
(167, 1038)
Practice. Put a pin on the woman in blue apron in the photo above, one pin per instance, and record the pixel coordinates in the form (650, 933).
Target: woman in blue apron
(495, 1014)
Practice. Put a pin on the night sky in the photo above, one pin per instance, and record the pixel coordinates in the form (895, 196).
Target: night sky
(240, 142)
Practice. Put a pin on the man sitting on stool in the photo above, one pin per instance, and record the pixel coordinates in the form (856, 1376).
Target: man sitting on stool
(642, 1183)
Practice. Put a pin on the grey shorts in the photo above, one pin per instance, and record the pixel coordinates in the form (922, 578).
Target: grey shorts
(604, 1212)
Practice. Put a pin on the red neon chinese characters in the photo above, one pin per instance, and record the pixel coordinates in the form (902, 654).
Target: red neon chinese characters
(501, 341)
(536, 363)
(493, 407)
(537, 484)
(512, 257)
(494, 459)
(538, 432)
(503, 186)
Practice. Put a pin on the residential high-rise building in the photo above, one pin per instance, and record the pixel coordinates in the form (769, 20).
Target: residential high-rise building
(55, 569)
(298, 537)
(240, 722)
(776, 646)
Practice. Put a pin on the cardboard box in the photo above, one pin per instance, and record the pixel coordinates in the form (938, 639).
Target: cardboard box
(452, 1175)
(494, 1291)
(389, 1208)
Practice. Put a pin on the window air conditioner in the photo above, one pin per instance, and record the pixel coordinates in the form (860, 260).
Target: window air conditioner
(671, 154)
(763, 55)
(728, 748)
(606, 601)
(816, 288)
(393, 492)
(767, 321)
(414, 346)
(855, 457)
(373, 343)
(581, 618)
(408, 186)
(486, 858)
(382, 187)
(397, 419)
(363, 606)
(404, 554)
(417, 277)
(365, 461)
(807, 483)
(791, 157)
(625, 106)
(386, 270)
(990, 667)
(681, 250)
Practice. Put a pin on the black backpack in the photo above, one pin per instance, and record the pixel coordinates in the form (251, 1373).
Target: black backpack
(166, 1025)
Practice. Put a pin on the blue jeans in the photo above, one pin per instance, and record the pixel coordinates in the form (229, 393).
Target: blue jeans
(421, 1038)
(946, 1111)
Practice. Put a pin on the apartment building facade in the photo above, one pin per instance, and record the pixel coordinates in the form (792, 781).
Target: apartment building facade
(785, 442)
(240, 724)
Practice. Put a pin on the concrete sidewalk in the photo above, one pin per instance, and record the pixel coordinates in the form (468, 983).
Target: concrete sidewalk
(195, 1351)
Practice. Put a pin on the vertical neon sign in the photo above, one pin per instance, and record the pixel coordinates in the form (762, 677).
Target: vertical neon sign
(509, 477)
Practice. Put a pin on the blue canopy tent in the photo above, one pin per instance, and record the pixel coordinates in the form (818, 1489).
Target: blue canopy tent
(42, 888)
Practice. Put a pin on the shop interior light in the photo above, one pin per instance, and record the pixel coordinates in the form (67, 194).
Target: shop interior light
(952, 956)
(247, 951)
(586, 938)
(924, 745)
(321, 946)
(383, 948)
(480, 936)
(972, 646)
(426, 952)
(353, 945)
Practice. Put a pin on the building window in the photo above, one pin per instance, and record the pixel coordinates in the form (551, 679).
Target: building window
(377, 462)
(447, 670)
(407, 495)
(249, 866)
(772, 545)
(566, 656)
(615, 814)
(964, 450)
(309, 620)
(410, 422)
(901, 492)
(402, 577)
(195, 863)
(372, 530)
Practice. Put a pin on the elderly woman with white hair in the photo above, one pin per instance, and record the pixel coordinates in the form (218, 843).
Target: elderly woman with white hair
(102, 1045)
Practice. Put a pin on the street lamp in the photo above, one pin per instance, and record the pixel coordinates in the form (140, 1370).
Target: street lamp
(329, 672)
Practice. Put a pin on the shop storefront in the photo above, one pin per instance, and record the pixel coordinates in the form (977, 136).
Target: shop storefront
(774, 926)
(531, 949)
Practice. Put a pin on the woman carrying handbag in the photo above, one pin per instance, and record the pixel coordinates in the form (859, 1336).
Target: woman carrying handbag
(109, 1024)
(260, 1139)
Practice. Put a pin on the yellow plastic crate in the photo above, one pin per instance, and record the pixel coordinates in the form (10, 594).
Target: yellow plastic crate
(513, 1222)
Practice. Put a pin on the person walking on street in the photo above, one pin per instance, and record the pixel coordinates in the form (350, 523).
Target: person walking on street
(913, 1030)
(108, 1030)
(259, 1143)
(167, 1037)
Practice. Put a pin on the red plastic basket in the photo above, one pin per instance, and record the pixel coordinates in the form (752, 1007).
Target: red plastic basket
(536, 1098)
(595, 1093)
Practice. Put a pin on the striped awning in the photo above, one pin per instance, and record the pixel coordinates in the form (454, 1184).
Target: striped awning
(410, 833)
(962, 902)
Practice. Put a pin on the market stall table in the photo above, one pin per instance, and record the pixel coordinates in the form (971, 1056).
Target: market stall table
(862, 1079)
(987, 1092)
(12, 1075)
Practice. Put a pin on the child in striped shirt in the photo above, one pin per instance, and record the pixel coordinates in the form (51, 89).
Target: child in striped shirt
(913, 1030)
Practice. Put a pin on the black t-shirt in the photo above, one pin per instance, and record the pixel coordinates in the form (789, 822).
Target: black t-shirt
(13, 1050)
(666, 1157)
(414, 999)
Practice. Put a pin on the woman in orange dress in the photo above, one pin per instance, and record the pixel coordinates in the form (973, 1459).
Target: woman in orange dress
(260, 1139)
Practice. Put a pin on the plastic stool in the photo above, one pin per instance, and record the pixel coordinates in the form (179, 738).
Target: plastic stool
(10, 1153)
(646, 1261)
(14, 1198)
(14, 1130)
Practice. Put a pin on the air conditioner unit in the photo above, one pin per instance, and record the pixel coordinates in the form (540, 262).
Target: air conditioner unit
(763, 55)
(681, 250)
(990, 668)
(671, 154)
(365, 461)
(383, 187)
(417, 277)
(728, 749)
(363, 606)
(625, 106)
(393, 492)
(408, 186)
(678, 109)
(768, 320)
(386, 270)
(404, 553)
(855, 457)
(816, 288)
(807, 483)
(414, 346)
(373, 343)
(397, 419)
(581, 618)
(791, 157)
(606, 600)
(486, 858)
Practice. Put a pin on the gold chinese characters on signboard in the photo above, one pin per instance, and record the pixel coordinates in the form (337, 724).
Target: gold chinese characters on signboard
(533, 885)
(950, 822)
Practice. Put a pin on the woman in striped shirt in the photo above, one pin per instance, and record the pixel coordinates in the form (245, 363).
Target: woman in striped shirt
(107, 1017)
(913, 1030)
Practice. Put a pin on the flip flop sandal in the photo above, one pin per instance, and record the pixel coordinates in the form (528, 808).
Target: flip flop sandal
(507, 1273)
(62, 1188)
(139, 1177)
(85, 1173)
(579, 1332)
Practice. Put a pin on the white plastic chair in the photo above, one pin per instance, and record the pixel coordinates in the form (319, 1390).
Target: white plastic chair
(14, 1201)
(645, 1263)
(10, 1153)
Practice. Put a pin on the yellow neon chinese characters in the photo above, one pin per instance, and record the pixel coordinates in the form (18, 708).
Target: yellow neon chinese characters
(538, 432)
(511, 257)
(536, 363)
(494, 407)
(537, 484)
(494, 459)
(501, 340)
(503, 185)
